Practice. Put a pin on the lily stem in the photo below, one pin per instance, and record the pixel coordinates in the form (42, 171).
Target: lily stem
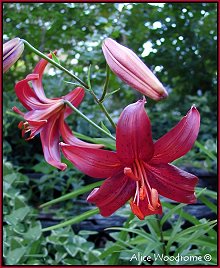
(105, 88)
(161, 237)
(88, 120)
(54, 63)
(103, 109)
(36, 51)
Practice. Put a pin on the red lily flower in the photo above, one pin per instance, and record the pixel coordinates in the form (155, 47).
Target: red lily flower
(46, 116)
(139, 169)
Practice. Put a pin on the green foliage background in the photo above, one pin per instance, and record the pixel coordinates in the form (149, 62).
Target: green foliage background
(183, 42)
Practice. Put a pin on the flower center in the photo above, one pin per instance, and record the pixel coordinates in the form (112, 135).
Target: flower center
(143, 192)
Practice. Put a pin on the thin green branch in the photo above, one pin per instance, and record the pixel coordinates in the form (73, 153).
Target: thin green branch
(77, 79)
(54, 63)
(88, 120)
(103, 109)
(105, 88)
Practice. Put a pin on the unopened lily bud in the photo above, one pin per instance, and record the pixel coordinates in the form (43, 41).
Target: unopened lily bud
(127, 66)
(12, 51)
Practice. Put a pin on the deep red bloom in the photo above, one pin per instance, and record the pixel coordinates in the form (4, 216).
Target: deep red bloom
(139, 168)
(46, 116)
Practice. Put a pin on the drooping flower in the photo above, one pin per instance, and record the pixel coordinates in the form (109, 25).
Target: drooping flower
(127, 66)
(46, 116)
(12, 51)
(140, 169)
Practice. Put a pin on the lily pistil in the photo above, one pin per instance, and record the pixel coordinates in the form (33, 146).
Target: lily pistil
(143, 189)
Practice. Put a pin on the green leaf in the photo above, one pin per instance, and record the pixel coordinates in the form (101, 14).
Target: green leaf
(15, 253)
(208, 203)
(17, 215)
(88, 76)
(142, 233)
(174, 231)
(197, 231)
(175, 209)
(111, 93)
(60, 255)
(171, 212)
(105, 128)
(54, 58)
(76, 219)
(65, 197)
(188, 217)
(72, 83)
(209, 193)
(71, 249)
(41, 167)
(34, 232)
(150, 248)
(10, 178)
(87, 232)
(207, 152)
(122, 236)
(93, 256)
(71, 261)
(109, 143)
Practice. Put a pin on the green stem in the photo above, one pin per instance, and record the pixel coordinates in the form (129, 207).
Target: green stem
(161, 236)
(103, 109)
(88, 120)
(105, 85)
(104, 93)
(54, 63)
(77, 79)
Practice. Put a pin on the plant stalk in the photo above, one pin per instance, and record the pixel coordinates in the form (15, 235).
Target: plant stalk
(54, 63)
(77, 79)
(88, 120)
(105, 88)
(103, 109)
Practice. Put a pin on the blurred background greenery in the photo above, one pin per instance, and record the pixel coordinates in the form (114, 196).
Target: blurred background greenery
(177, 41)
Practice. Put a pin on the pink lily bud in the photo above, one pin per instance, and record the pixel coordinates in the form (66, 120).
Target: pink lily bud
(127, 66)
(12, 51)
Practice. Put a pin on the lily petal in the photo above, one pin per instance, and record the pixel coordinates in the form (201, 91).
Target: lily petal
(114, 193)
(36, 127)
(133, 134)
(50, 142)
(179, 140)
(127, 66)
(172, 182)
(37, 82)
(69, 138)
(75, 97)
(46, 113)
(96, 163)
(27, 96)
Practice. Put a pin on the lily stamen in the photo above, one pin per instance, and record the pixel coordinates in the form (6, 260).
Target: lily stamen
(143, 189)
(128, 172)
